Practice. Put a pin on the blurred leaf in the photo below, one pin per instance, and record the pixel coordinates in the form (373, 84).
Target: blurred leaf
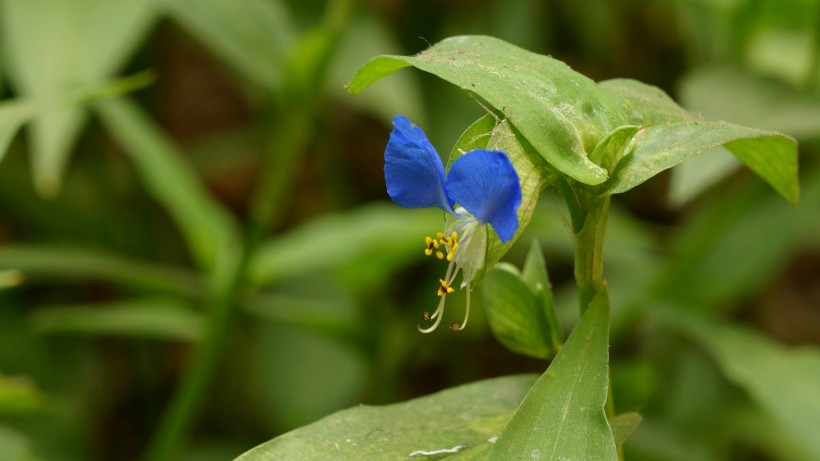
(316, 314)
(786, 51)
(623, 426)
(52, 45)
(368, 36)
(72, 263)
(448, 423)
(741, 97)
(139, 318)
(773, 156)
(15, 113)
(10, 278)
(332, 240)
(15, 446)
(292, 387)
(252, 36)
(209, 229)
(515, 313)
(693, 177)
(560, 112)
(713, 263)
(562, 417)
(783, 381)
(18, 395)
(535, 275)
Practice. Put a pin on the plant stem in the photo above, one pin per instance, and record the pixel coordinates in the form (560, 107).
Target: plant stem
(589, 263)
(182, 410)
(589, 244)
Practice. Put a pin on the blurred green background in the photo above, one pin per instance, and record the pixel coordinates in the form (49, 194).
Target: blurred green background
(122, 219)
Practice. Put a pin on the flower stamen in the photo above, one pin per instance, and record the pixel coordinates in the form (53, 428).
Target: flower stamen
(450, 244)
(433, 247)
(445, 288)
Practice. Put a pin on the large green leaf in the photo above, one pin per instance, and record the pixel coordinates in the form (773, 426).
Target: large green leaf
(457, 424)
(52, 45)
(781, 380)
(655, 148)
(562, 417)
(559, 111)
(642, 104)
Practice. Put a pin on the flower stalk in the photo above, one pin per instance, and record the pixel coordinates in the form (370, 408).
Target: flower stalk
(589, 244)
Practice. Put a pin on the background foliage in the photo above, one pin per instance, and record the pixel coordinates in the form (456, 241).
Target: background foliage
(137, 322)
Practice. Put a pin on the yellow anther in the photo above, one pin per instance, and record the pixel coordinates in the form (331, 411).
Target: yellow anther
(426, 316)
(444, 288)
(432, 245)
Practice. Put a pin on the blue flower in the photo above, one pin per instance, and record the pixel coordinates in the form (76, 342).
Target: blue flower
(481, 189)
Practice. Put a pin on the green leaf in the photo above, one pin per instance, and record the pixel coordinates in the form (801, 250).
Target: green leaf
(457, 423)
(671, 135)
(562, 417)
(515, 314)
(537, 279)
(783, 381)
(252, 36)
(773, 156)
(644, 105)
(140, 318)
(52, 45)
(559, 111)
(36, 262)
(209, 229)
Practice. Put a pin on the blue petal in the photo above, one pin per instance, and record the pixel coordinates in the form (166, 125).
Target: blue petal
(485, 183)
(413, 170)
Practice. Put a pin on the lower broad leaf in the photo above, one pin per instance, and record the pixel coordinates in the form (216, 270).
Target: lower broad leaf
(455, 423)
(562, 417)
